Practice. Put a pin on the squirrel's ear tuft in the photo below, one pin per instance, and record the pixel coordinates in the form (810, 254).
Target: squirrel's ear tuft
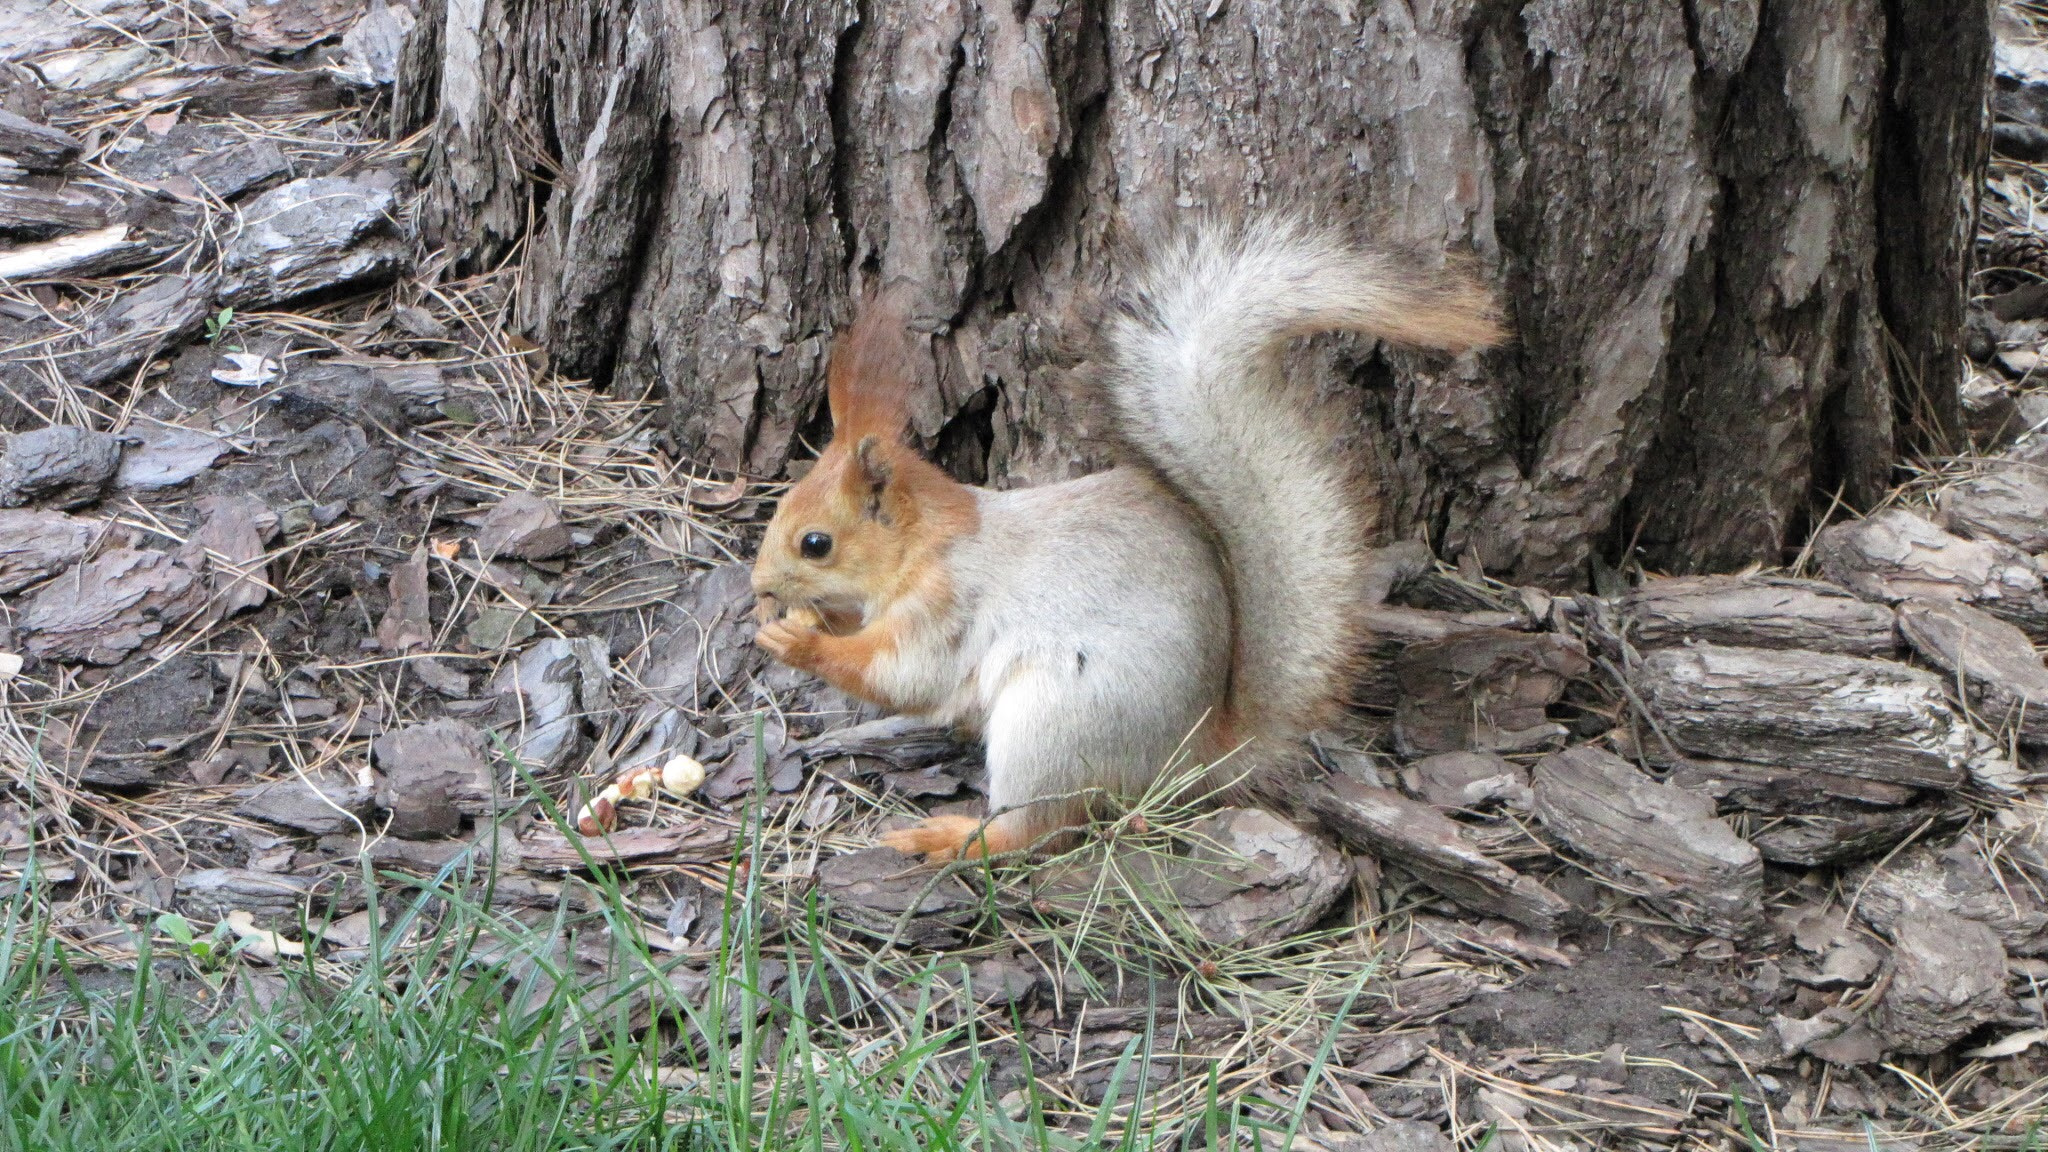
(873, 369)
(871, 473)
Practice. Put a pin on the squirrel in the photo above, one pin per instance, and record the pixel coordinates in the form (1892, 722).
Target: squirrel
(1207, 595)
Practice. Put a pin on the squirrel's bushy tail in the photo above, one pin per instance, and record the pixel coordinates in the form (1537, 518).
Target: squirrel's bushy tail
(1195, 386)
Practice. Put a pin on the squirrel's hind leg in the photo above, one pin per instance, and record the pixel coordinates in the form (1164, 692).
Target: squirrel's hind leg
(943, 838)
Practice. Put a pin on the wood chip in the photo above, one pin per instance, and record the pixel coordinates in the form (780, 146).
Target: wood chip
(1844, 833)
(229, 532)
(1665, 841)
(1955, 879)
(1756, 612)
(1484, 689)
(1468, 780)
(309, 236)
(159, 313)
(2006, 500)
(1896, 555)
(61, 466)
(168, 455)
(107, 607)
(1992, 664)
(523, 526)
(904, 741)
(35, 545)
(36, 147)
(1250, 877)
(1946, 976)
(555, 684)
(405, 625)
(870, 891)
(271, 899)
(322, 808)
(699, 842)
(1808, 710)
(1776, 788)
(433, 774)
(36, 214)
(1382, 822)
(84, 254)
(283, 27)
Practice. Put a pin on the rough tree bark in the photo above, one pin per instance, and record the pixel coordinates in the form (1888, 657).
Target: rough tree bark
(1732, 236)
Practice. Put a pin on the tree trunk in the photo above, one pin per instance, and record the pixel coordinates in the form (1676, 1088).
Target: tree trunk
(1732, 237)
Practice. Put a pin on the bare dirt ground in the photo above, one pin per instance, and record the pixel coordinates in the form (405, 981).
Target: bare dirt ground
(304, 558)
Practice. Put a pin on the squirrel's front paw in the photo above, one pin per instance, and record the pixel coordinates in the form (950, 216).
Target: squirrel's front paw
(792, 640)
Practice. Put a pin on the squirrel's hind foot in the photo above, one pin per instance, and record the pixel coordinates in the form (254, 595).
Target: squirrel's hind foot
(944, 838)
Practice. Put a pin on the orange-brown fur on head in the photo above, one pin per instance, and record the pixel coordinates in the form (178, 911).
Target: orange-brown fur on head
(884, 510)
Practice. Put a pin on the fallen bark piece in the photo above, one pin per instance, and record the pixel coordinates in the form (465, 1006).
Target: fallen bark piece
(434, 774)
(1954, 879)
(311, 235)
(1382, 822)
(2007, 502)
(1896, 555)
(328, 391)
(1251, 877)
(699, 842)
(523, 526)
(272, 899)
(105, 608)
(323, 807)
(438, 676)
(1488, 938)
(871, 891)
(158, 314)
(236, 571)
(1756, 612)
(1484, 690)
(36, 147)
(1663, 840)
(229, 172)
(1796, 1035)
(1468, 780)
(704, 646)
(405, 625)
(1946, 976)
(35, 214)
(241, 90)
(1806, 710)
(62, 466)
(1397, 1136)
(169, 455)
(205, 162)
(1999, 674)
(94, 253)
(1843, 833)
(1424, 997)
(558, 682)
(373, 48)
(1847, 955)
(1390, 629)
(904, 741)
(282, 27)
(36, 544)
(1775, 788)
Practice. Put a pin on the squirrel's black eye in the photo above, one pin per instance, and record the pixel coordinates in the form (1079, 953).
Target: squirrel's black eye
(815, 545)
